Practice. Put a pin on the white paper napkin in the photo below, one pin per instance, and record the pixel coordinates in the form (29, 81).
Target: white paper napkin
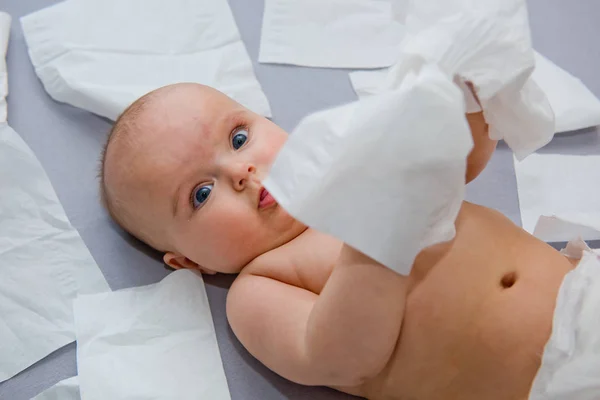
(330, 33)
(378, 173)
(63, 390)
(44, 263)
(151, 342)
(574, 105)
(4, 35)
(563, 191)
(386, 174)
(101, 55)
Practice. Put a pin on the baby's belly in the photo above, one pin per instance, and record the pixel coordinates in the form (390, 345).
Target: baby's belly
(476, 322)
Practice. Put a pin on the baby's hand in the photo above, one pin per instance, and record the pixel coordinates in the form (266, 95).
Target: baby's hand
(473, 92)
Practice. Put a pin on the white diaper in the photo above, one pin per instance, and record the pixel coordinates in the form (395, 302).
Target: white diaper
(571, 362)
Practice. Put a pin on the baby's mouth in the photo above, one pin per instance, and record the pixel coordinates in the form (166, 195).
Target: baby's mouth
(265, 199)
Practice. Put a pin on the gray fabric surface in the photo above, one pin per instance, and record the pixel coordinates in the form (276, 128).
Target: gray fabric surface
(68, 142)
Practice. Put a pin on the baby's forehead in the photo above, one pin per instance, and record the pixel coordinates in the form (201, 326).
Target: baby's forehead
(186, 118)
(192, 101)
(186, 110)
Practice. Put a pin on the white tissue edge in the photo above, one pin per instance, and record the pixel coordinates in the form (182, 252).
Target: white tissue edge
(368, 83)
(69, 385)
(5, 21)
(554, 228)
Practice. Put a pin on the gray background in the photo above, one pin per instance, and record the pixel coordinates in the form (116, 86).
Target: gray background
(68, 141)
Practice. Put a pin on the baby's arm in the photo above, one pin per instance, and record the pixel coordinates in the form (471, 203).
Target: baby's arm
(348, 332)
(483, 146)
(340, 337)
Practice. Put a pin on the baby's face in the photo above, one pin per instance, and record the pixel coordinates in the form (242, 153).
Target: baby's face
(205, 156)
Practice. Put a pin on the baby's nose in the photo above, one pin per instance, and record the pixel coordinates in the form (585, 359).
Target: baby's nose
(242, 175)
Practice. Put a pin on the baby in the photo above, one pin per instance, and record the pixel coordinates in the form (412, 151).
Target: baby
(182, 170)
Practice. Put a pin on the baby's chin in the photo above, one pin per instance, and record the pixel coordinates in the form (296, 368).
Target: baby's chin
(279, 238)
(280, 230)
(291, 229)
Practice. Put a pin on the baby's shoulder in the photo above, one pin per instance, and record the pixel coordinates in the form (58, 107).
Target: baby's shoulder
(305, 262)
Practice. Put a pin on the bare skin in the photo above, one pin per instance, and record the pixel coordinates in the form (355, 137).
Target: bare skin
(470, 322)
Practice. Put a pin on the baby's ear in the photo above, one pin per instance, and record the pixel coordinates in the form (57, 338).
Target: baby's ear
(177, 261)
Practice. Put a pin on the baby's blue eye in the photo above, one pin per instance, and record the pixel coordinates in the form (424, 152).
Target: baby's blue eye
(201, 194)
(239, 139)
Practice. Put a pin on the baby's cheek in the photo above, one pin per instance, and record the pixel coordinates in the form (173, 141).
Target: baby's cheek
(268, 159)
(235, 230)
(274, 139)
